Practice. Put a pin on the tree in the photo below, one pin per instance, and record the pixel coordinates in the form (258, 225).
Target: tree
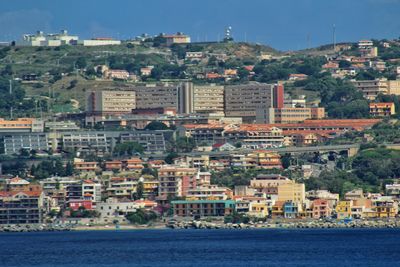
(139, 190)
(156, 73)
(340, 98)
(59, 168)
(23, 152)
(156, 125)
(129, 148)
(69, 169)
(169, 159)
(8, 70)
(243, 74)
(286, 160)
(33, 170)
(72, 84)
(141, 217)
(81, 63)
(91, 71)
(185, 144)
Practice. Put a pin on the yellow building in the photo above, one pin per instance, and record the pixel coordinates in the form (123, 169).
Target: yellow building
(291, 191)
(258, 208)
(343, 209)
(264, 159)
(393, 87)
(277, 209)
(385, 208)
(202, 161)
(208, 99)
(150, 187)
(382, 109)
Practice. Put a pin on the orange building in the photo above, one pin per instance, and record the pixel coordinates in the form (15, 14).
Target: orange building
(113, 165)
(133, 164)
(21, 125)
(83, 166)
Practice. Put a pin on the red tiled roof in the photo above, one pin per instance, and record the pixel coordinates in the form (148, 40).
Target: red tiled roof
(381, 104)
(204, 126)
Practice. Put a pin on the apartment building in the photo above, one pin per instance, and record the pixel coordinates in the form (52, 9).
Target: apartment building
(264, 159)
(153, 96)
(21, 207)
(122, 187)
(51, 39)
(81, 165)
(267, 181)
(203, 208)
(178, 38)
(86, 142)
(208, 99)
(208, 133)
(258, 159)
(393, 190)
(321, 209)
(382, 109)
(19, 125)
(393, 86)
(254, 136)
(291, 191)
(293, 115)
(371, 88)
(92, 190)
(209, 192)
(109, 102)
(176, 181)
(343, 209)
(244, 100)
(115, 209)
(151, 141)
(13, 143)
(385, 207)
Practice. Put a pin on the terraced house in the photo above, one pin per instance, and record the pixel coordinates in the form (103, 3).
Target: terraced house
(21, 207)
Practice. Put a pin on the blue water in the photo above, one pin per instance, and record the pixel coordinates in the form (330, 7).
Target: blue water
(310, 247)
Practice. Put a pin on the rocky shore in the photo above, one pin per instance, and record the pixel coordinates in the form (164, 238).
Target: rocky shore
(34, 228)
(289, 225)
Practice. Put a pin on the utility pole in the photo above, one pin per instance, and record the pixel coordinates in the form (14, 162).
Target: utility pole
(11, 108)
(334, 38)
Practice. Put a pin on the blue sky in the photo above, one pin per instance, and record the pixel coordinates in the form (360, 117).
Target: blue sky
(283, 24)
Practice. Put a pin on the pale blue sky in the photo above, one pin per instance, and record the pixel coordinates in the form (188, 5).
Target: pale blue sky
(283, 24)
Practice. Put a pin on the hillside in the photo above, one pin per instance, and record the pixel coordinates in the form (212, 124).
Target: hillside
(61, 71)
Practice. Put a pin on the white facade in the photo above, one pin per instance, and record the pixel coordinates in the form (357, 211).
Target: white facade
(52, 39)
(112, 208)
(99, 42)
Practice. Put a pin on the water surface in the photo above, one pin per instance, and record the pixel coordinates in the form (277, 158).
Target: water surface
(270, 247)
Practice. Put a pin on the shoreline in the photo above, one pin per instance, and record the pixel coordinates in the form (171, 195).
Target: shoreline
(177, 225)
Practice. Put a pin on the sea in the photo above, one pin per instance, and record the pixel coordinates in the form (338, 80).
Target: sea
(254, 247)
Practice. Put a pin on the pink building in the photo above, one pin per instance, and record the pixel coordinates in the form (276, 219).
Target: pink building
(320, 209)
